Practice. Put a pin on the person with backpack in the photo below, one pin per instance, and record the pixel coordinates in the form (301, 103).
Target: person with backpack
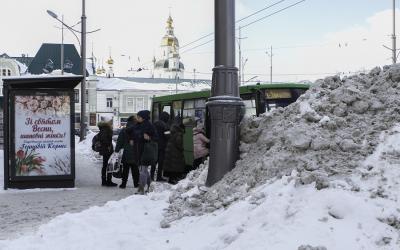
(102, 143)
(174, 162)
(162, 130)
(129, 161)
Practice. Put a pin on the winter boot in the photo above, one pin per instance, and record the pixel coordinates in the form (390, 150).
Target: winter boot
(123, 185)
(109, 182)
(141, 190)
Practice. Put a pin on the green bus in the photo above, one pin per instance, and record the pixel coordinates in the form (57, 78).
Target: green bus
(188, 107)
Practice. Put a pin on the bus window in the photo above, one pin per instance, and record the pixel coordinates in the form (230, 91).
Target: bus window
(200, 110)
(250, 106)
(188, 111)
(278, 94)
(177, 112)
(200, 103)
(189, 104)
(167, 109)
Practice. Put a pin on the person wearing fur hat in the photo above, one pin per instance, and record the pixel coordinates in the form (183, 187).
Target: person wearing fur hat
(106, 149)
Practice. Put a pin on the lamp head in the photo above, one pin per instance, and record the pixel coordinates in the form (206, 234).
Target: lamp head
(52, 14)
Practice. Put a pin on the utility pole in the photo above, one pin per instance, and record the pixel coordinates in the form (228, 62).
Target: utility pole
(62, 46)
(224, 104)
(394, 51)
(83, 83)
(241, 64)
(240, 55)
(270, 55)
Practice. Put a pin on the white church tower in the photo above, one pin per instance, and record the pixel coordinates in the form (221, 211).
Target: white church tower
(169, 66)
(110, 67)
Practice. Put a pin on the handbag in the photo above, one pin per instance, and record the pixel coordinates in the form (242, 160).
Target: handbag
(150, 153)
(114, 165)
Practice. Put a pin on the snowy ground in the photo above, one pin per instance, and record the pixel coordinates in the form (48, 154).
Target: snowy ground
(278, 215)
(23, 211)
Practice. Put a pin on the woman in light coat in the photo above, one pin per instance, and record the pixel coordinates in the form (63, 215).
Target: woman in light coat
(200, 150)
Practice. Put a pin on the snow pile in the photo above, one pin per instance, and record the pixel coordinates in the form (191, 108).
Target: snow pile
(325, 136)
(85, 147)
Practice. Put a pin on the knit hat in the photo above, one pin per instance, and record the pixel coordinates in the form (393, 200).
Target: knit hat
(145, 114)
(164, 116)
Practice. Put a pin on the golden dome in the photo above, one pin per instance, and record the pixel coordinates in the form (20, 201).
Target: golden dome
(110, 61)
(169, 22)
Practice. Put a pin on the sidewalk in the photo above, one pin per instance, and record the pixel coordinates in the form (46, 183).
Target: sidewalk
(23, 211)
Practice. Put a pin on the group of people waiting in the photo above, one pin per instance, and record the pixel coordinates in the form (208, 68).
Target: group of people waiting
(138, 131)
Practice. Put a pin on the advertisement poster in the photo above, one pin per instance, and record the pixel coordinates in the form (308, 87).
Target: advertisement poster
(42, 135)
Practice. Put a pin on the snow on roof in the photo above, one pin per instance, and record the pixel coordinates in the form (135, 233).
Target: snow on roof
(22, 67)
(120, 84)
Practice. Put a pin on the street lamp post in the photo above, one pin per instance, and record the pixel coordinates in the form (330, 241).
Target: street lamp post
(224, 105)
(83, 83)
(82, 44)
(62, 46)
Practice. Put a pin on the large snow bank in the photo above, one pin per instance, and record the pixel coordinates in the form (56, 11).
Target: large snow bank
(325, 137)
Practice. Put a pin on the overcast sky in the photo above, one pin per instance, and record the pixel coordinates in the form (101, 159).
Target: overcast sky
(305, 38)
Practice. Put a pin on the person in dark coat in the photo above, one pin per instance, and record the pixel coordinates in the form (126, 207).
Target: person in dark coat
(174, 162)
(126, 143)
(106, 150)
(162, 130)
(141, 133)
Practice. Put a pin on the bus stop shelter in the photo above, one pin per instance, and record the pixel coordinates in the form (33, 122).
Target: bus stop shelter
(39, 145)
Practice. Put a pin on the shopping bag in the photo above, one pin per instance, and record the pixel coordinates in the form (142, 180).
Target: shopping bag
(117, 173)
(114, 163)
(150, 153)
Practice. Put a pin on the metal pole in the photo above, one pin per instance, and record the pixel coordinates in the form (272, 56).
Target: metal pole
(224, 105)
(270, 77)
(394, 51)
(240, 56)
(83, 83)
(62, 46)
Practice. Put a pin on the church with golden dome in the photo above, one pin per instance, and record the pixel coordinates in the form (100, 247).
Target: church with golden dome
(169, 64)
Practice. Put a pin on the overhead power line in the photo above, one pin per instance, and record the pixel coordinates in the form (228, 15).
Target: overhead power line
(273, 13)
(260, 19)
(242, 19)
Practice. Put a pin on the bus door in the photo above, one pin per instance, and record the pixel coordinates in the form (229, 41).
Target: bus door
(194, 112)
(260, 102)
(188, 121)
